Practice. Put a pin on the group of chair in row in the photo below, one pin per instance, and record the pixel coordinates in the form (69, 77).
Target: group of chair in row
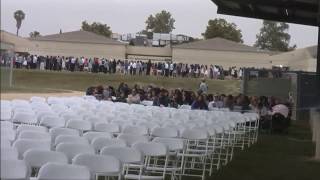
(116, 139)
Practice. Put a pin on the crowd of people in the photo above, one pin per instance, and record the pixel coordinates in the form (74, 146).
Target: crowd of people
(268, 108)
(126, 67)
(178, 97)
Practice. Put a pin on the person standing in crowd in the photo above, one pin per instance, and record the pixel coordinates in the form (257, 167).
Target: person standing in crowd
(203, 87)
(148, 67)
(134, 68)
(114, 66)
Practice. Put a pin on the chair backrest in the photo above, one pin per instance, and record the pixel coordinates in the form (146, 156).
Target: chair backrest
(194, 134)
(22, 145)
(24, 117)
(14, 169)
(98, 164)
(6, 124)
(138, 130)
(71, 139)
(55, 171)
(38, 99)
(165, 132)
(79, 125)
(130, 139)
(124, 154)
(9, 134)
(52, 121)
(35, 135)
(173, 144)
(99, 142)
(151, 148)
(107, 127)
(73, 149)
(37, 157)
(91, 135)
(9, 153)
(63, 131)
(5, 142)
(31, 128)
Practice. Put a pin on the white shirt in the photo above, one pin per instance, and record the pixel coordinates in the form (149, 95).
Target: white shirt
(171, 67)
(166, 66)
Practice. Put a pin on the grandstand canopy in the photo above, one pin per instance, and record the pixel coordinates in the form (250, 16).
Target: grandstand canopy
(305, 12)
(293, 11)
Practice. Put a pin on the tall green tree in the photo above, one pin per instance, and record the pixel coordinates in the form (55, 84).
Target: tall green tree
(19, 16)
(162, 22)
(98, 28)
(34, 34)
(221, 28)
(274, 36)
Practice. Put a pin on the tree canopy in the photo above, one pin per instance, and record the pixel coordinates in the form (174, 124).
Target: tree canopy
(221, 28)
(98, 28)
(19, 16)
(162, 22)
(274, 36)
(34, 34)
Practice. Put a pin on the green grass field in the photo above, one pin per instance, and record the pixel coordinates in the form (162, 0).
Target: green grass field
(41, 81)
(274, 157)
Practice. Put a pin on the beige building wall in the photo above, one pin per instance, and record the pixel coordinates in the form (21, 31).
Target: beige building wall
(53, 48)
(298, 60)
(224, 58)
(149, 51)
(20, 44)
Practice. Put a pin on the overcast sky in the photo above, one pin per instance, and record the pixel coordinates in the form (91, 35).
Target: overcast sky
(128, 16)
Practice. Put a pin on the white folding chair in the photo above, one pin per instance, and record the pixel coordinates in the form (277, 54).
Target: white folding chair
(136, 130)
(6, 124)
(195, 153)
(70, 139)
(79, 125)
(8, 134)
(52, 121)
(107, 166)
(107, 127)
(100, 142)
(5, 142)
(37, 158)
(24, 118)
(91, 135)
(55, 171)
(130, 139)
(22, 145)
(38, 99)
(62, 131)
(42, 136)
(24, 127)
(155, 161)
(165, 132)
(9, 153)
(129, 157)
(73, 149)
(14, 170)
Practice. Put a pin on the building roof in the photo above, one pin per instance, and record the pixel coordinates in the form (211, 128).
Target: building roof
(292, 11)
(219, 44)
(78, 37)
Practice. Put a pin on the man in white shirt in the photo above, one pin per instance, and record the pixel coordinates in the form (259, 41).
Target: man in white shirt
(166, 69)
(134, 67)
